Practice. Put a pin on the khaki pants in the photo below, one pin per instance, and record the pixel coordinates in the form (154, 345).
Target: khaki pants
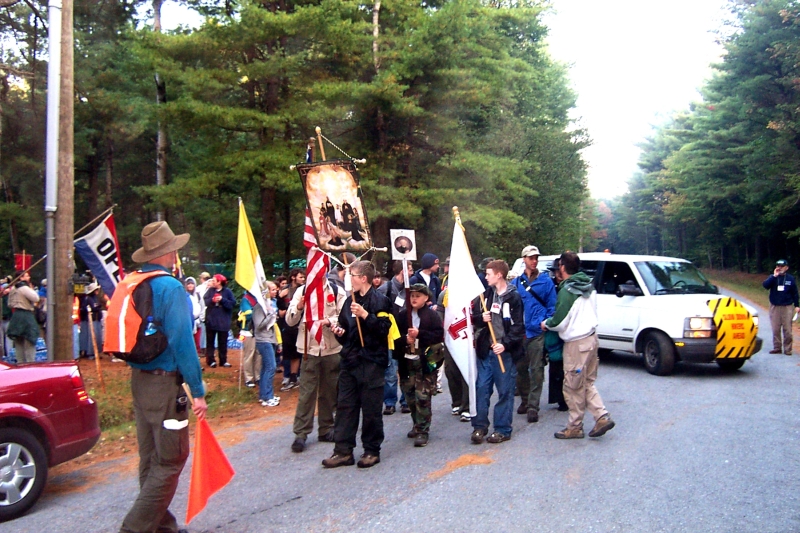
(251, 364)
(580, 373)
(24, 351)
(162, 452)
(780, 316)
(319, 385)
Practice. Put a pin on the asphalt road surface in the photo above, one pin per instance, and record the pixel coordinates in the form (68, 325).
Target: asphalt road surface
(698, 451)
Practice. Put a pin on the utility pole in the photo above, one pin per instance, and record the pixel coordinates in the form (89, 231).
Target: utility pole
(161, 99)
(60, 287)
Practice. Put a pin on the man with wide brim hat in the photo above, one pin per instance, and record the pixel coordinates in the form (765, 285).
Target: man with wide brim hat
(156, 385)
(783, 304)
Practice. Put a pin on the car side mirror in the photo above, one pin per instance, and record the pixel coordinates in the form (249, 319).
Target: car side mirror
(628, 290)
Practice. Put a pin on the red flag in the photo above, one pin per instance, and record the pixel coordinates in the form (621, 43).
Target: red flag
(22, 261)
(316, 271)
(211, 470)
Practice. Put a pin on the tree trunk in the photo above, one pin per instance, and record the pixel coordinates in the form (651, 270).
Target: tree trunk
(287, 234)
(157, 15)
(161, 140)
(93, 164)
(109, 172)
(61, 286)
(267, 221)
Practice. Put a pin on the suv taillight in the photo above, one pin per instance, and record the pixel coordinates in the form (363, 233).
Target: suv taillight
(77, 384)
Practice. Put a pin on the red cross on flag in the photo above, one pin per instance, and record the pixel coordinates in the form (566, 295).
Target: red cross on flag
(463, 285)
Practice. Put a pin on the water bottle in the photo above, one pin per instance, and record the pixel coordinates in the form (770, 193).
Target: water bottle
(151, 328)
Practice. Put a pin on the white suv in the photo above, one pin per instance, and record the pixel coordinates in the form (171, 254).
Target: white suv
(666, 310)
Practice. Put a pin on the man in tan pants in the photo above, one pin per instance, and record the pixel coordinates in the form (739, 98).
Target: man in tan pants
(575, 320)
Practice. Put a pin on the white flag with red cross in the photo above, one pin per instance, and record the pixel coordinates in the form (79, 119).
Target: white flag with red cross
(463, 285)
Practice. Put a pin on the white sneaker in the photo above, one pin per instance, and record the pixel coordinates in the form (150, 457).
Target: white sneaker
(456, 411)
(274, 402)
(466, 417)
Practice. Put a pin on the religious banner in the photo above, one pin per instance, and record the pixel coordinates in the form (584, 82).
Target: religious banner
(336, 206)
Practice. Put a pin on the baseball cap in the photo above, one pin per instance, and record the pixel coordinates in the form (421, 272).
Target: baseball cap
(422, 288)
(781, 263)
(530, 250)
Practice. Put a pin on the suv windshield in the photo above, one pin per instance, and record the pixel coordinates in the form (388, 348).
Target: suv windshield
(673, 277)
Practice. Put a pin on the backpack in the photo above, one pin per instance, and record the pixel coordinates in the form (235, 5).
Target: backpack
(132, 334)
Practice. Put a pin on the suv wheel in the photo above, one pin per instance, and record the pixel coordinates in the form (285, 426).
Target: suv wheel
(659, 354)
(23, 471)
(730, 365)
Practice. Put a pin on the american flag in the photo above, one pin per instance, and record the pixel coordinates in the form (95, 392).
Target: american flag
(316, 271)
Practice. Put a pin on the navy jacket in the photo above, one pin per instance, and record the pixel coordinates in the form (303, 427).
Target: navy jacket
(435, 285)
(218, 315)
(788, 295)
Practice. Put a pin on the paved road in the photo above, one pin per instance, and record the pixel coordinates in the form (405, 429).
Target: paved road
(698, 451)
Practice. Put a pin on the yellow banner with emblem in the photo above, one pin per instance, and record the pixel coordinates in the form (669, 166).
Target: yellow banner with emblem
(736, 330)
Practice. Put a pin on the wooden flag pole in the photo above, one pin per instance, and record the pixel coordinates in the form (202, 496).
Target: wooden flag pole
(353, 294)
(321, 147)
(96, 353)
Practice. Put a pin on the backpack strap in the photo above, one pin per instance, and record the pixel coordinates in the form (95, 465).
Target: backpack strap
(532, 292)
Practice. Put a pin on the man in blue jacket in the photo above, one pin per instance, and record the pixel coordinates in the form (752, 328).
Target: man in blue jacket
(783, 302)
(539, 303)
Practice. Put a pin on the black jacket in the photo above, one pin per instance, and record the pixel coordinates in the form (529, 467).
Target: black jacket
(512, 336)
(374, 329)
(431, 331)
(218, 315)
(435, 285)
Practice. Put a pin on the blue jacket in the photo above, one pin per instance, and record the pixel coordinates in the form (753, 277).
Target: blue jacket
(534, 311)
(788, 295)
(435, 285)
(170, 308)
(218, 315)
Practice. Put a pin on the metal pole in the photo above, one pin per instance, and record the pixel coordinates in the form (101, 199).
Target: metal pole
(51, 162)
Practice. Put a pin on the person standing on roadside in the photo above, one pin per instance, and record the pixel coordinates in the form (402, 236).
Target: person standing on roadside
(783, 303)
(219, 302)
(201, 290)
(575, 320)
(363, 327)
(539, 302)
(23, 328)
(159, 401)
(266, 340)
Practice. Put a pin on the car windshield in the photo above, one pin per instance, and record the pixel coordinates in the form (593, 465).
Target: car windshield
(674, 277)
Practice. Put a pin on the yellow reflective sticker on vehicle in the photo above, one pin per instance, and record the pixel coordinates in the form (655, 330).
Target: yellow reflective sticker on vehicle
(736, 331)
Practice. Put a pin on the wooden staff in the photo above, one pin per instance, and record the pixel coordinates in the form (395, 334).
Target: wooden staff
(321, 147)
(94, 344)
(408, 298)
(353, 294)
(494, 339)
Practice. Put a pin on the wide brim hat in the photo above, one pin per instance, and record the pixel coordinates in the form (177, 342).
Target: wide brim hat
(157, 240)
(90, 288)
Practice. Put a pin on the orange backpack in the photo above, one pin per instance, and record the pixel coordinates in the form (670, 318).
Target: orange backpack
(132, 334)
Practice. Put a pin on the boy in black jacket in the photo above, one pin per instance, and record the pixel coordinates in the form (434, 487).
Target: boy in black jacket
(504, 312)
(417, 366)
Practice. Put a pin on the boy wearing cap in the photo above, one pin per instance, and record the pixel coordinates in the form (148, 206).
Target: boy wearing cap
(539, 302)
(219, 308)
(428, 274)
(418, 368)
(783, 303)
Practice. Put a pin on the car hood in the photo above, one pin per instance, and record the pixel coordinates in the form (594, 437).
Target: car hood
(697, 304)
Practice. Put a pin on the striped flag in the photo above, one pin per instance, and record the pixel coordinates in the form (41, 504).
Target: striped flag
(316, 271)
(249, 270)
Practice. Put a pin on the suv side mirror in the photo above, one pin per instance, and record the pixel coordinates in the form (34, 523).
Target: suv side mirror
(628, 290)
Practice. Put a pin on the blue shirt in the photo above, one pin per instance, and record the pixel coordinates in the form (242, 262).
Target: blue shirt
(534, 311)
(170, 310)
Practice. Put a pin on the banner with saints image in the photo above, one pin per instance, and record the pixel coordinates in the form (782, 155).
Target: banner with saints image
(336, 205)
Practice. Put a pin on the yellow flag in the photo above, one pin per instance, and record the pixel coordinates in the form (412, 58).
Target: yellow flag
(249, 270)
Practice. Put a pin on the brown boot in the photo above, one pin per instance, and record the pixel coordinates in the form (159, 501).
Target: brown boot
(603, 424)
(421, 440)
(368, 459)
(533, 416)
(568, 433)
(523, 408)
(338, 459)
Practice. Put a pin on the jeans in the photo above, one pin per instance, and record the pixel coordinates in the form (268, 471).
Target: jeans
(390, 388)
(267, 352)
(489, 374)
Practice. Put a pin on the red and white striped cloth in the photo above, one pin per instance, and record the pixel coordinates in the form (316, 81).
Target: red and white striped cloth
(317, 265)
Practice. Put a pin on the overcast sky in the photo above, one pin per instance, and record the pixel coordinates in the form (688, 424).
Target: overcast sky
(632, 64)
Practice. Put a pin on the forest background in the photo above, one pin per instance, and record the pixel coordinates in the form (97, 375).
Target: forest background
(452, 102)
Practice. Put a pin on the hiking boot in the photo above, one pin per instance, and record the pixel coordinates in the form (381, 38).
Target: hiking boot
(405, 409)
(327, 437)
(389, 410)
(603, 424)
(568, 433)
(339, 459)
(299, 445)
(533, 416)
(477, 435)
(368, 460)
(523, 408)
(497, 438)
(774, 351)
(412, 434)
(421, 440)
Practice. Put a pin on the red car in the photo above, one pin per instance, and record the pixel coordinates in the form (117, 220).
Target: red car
(46, 418)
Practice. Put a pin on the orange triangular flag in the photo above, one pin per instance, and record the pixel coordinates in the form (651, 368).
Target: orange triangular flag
(211, 470)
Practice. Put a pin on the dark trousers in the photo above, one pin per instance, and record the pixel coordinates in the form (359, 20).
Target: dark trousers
(360, 393)
(222, 345)
(162, 452)
(555, 390)
(459, 391)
